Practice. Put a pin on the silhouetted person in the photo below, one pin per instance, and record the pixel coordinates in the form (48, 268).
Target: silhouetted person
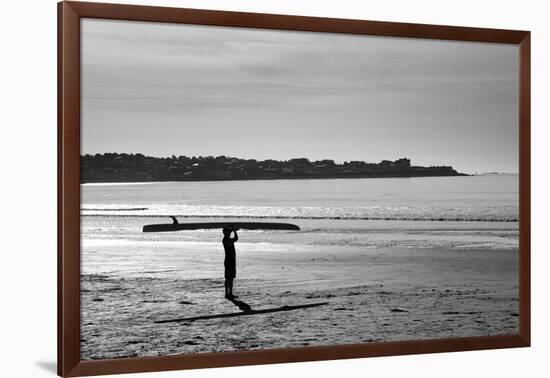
(230, 260)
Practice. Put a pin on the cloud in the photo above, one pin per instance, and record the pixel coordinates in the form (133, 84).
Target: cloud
(189, 74)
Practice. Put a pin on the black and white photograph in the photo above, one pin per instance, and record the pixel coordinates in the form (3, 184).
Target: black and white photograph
(246, 189)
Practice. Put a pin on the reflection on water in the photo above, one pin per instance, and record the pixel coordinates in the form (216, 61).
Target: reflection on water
(473, 198)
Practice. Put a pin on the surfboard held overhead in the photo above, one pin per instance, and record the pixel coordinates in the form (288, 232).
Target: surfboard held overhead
(175, 226)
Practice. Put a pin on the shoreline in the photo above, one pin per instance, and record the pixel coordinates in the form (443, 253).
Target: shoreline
(99, 183)
(239, 217)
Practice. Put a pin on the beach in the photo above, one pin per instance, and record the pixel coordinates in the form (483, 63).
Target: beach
(430, 271)
(373, 295)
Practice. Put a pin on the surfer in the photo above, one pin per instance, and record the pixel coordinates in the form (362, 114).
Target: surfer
(230, 260)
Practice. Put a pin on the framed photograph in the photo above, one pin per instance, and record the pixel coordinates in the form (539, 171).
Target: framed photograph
(239, 188)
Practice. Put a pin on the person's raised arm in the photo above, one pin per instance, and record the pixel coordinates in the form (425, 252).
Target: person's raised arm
(236, 236)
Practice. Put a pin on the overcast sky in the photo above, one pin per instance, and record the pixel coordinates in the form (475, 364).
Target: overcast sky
(164, 89)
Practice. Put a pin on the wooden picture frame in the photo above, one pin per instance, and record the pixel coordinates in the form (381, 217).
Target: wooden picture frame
(69, 16)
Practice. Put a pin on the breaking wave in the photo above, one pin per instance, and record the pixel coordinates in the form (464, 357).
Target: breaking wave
(395, 218)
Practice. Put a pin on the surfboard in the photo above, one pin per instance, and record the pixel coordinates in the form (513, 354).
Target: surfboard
(168, 227)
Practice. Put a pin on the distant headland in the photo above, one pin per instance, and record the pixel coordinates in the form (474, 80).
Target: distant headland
(114, 167)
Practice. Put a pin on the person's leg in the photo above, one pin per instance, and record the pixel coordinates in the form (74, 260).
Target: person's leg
(233, 273)
(231, 288)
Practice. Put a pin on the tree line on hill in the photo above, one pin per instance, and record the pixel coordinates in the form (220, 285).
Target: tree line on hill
(115, 167)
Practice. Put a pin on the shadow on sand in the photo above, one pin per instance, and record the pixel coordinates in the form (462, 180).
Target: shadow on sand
(246, 310)
(243, 306)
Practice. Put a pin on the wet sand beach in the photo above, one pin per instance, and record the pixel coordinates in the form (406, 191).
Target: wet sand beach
(372, 295)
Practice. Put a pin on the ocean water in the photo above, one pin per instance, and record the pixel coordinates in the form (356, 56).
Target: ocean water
(491, 198)
(451, 212)
(464, 213)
